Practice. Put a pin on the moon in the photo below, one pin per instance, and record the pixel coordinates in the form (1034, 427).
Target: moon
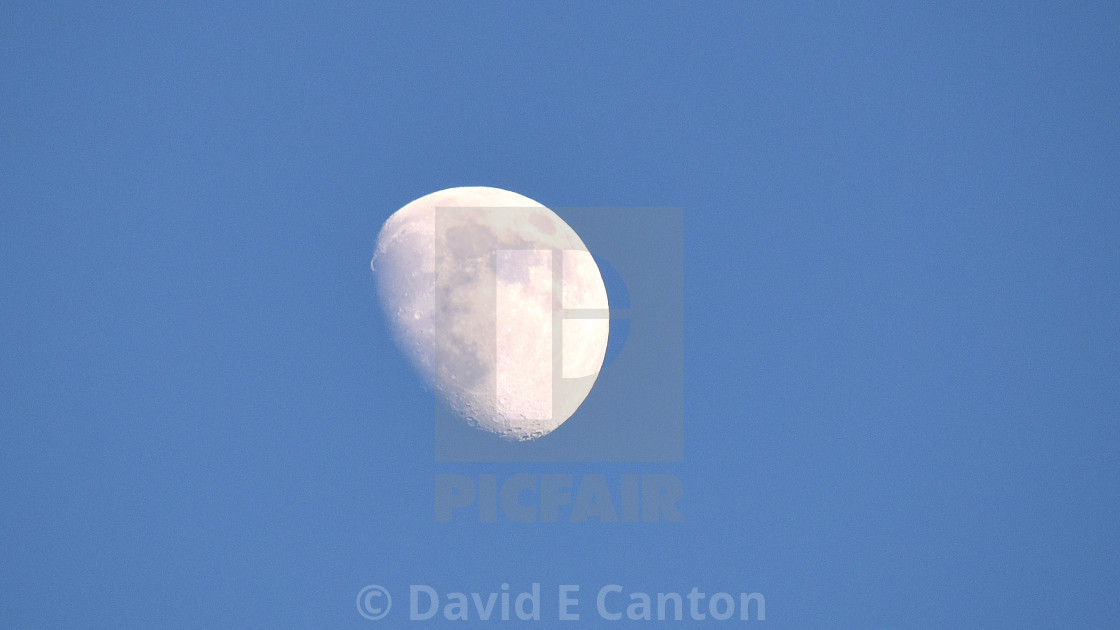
(497, 304)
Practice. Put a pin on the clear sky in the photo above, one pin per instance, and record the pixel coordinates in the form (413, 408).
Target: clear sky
(901, 317)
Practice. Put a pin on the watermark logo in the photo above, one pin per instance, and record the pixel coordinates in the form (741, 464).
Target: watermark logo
(568, 305)
(629, 409)
(374, 602)
(551, 498)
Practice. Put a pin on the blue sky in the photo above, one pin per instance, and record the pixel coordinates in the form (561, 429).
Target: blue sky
(900, 332)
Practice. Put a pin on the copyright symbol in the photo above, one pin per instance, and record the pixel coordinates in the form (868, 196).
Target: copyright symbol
(374, 602)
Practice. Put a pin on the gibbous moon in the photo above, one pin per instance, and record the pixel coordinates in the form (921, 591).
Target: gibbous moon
(497, 304)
